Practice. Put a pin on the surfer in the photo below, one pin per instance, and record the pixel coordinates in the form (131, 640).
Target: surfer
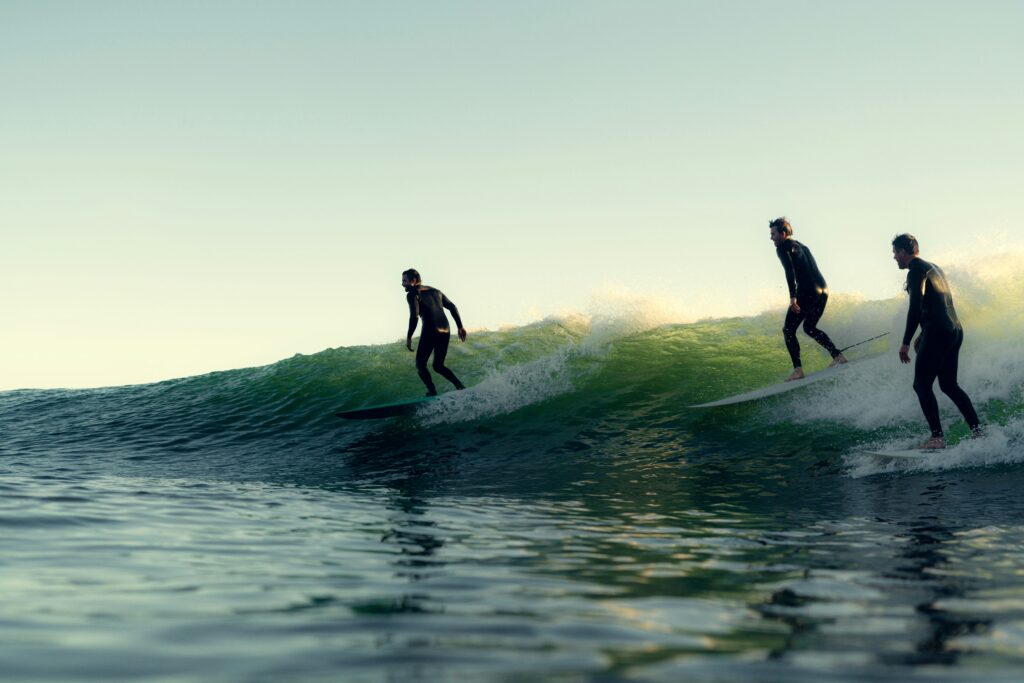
(808, 294)
(938, 345)
(429, 303)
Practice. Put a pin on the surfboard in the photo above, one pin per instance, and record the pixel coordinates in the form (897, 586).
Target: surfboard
(775, 389)
(913, 454)
(385, 410)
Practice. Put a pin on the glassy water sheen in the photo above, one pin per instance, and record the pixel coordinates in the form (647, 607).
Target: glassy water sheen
(567, 519)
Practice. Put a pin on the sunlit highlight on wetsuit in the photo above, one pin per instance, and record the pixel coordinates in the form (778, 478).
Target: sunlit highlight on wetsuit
(931, 307)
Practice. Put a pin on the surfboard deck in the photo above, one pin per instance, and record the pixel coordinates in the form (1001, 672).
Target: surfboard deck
(775, 389)
(385, 410)
(912, 454)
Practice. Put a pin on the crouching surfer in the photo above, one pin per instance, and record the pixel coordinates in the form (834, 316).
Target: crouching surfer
(808, 294)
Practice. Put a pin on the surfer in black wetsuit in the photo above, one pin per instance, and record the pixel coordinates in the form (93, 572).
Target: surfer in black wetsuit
(429, 303)
(938, 345)
(808, 294)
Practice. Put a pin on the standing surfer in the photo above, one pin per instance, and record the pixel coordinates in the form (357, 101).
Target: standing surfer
(429, 303)
(808, 294)
(938, 345)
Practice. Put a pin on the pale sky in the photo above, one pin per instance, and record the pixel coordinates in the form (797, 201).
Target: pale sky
(197, 186)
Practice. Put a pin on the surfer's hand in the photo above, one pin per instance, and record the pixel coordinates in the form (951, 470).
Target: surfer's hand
(408, 343)
(462, 334)
(795, 307)
(904, 354)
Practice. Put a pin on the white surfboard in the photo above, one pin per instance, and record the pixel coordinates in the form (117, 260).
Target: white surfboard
(780, 388)
(913, 454)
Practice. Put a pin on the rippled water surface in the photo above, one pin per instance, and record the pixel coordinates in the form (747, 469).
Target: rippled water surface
(623, 573)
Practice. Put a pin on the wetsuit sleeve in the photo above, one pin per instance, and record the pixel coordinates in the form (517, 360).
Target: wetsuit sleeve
(786, 257)
(413, 312)
(915, 287)
(447, 303)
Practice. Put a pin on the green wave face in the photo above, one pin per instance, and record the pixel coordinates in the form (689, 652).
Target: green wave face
(610, 384)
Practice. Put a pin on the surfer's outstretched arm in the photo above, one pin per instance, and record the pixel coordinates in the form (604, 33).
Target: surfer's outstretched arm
(447, 303)
(413, 317)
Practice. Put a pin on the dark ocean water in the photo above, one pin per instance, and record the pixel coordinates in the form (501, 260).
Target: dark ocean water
(566, 519)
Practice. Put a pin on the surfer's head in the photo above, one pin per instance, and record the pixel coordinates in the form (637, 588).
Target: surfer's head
(904, 249)
(410, 278)
(780, 230)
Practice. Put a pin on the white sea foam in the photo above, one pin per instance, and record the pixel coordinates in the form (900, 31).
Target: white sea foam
(613, 314)
(875, 395)
(504, 390)
(878, 393)
(1001, 445)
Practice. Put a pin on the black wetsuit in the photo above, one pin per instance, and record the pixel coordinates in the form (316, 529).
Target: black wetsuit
(931, 307)
(429, 303)
(808, 287)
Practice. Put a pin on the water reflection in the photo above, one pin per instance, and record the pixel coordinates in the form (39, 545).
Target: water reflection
(929, 564)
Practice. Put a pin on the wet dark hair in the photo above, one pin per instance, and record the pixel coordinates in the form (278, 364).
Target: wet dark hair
(412, 274)
(780, 224)
(906, 242)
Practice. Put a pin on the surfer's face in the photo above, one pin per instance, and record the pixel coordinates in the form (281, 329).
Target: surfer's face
(776, 236)
(409, 284)
(902, 258)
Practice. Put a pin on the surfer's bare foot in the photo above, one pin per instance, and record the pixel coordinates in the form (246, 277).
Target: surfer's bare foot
(977, 432)
(797, 374)
(933, 444)
(839, 360)
(431, 393)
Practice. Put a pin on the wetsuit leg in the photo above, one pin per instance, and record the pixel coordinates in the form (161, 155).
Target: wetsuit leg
(815, 309)
(423, 351)
(933, 349)
(948, 382)
(789, 329)
(440, 353)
